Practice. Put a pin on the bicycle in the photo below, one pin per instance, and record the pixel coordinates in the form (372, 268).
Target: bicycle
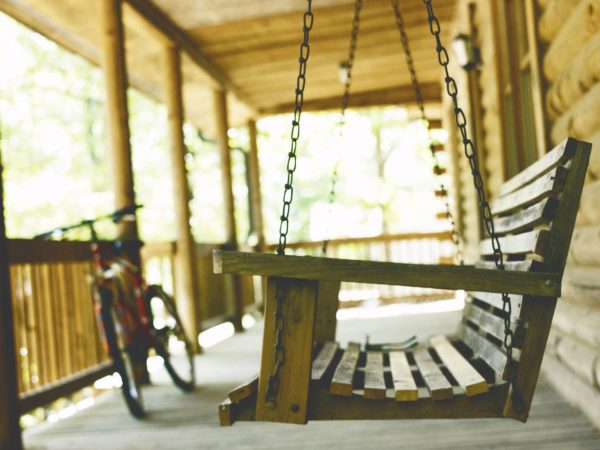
(133, 321)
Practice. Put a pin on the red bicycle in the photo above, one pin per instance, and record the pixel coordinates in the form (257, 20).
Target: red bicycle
(134, 318)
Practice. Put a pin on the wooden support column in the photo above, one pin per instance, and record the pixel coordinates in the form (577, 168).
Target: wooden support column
(188, 291)
(115, 77)
(10, 432)
(255, 194)
(222, 124)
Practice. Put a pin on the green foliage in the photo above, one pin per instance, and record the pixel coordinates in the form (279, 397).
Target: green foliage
(57, 166)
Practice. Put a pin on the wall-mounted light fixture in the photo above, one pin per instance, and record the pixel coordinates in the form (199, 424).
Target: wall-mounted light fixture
(343, 72)
(467, 54)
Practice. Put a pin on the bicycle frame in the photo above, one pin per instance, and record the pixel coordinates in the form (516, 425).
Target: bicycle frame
(134, 318)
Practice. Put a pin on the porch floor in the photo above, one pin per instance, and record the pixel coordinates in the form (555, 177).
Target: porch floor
(189, 421)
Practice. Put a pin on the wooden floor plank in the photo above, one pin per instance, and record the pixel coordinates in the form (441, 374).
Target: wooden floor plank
(374, 380)
(343, 377)
(323, 360)
(439, 387)
(464, 373)
(178, 421)
(405, 388)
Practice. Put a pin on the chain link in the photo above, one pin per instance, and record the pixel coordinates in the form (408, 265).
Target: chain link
(437, 169)
(486, 213)
(358, 4)
(278, 352)
(288, 192)
(288, 195)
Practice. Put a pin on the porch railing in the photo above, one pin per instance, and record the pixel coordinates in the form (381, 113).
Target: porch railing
(56, 335)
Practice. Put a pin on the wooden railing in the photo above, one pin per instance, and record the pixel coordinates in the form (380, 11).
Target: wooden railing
(424, 248)
(58, 347)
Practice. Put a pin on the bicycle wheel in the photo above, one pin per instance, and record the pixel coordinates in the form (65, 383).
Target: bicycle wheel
(121, 355)
(171, 342)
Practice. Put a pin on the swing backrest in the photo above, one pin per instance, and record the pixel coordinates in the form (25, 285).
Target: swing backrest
(534, 214)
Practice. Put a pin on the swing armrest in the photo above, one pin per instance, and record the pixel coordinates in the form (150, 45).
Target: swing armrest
(420, 275)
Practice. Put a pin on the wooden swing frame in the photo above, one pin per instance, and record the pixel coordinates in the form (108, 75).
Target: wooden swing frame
(538, 206)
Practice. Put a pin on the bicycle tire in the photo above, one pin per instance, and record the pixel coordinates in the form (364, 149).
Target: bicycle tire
(121, 356)
(162, 311)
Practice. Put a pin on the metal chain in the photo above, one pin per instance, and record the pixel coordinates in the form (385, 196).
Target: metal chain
(288, 195)
(288, 192)
(437, 169)
(345, 102)
(278, 353)
(471, 153)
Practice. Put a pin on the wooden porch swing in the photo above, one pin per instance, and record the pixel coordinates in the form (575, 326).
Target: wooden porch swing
(489, 368)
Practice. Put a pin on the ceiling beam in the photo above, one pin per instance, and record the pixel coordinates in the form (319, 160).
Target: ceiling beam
(398, 95)
(178, 37)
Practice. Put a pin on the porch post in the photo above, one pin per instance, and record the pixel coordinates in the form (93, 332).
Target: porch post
(188, 292)
(220, 104)
(255, 194)
(10, 431)
(115, 79)
(115, 76)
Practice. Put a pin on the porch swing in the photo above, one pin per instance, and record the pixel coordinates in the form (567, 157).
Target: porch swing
(489, 368)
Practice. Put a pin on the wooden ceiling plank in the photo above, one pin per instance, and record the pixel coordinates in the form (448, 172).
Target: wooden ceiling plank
(397, 95)
(163, 23)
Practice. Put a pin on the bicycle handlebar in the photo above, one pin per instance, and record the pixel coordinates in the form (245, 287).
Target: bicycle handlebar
(116, 216)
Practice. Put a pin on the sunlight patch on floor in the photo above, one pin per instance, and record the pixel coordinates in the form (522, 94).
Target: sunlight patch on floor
(377, 310)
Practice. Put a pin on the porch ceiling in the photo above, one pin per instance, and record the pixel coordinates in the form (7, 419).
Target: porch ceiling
(251, 47)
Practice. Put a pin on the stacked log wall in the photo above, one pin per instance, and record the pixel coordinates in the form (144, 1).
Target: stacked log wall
(570, 32)
(569, 40)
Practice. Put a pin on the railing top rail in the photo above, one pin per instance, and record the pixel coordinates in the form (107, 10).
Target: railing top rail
(33, 251)
(438, 235)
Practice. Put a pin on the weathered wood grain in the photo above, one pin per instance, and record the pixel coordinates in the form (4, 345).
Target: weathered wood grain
(533, 242)
(555, 157)
(492, 324)
(421, 275)
(467, 377)
(323, 360)
(298, 315)
(439, 387)
(327, 306)
(532, 216)
(405, 388)
(244, 390)
(484, 349)
(547, 185)
(343, 377)
(374, 388)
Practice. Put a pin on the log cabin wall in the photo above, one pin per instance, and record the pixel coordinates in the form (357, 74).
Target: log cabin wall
(570, 32)
(566, 48)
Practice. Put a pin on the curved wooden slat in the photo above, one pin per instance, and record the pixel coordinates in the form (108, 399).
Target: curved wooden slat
(550, 184)
(533, 242)
(493, 325)
(465, 374)
(532, 216)
(439, 387)
(482, 348)
(343, 377)
(555, 157)
(323, 360)
(405, 388)
(374, 388)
